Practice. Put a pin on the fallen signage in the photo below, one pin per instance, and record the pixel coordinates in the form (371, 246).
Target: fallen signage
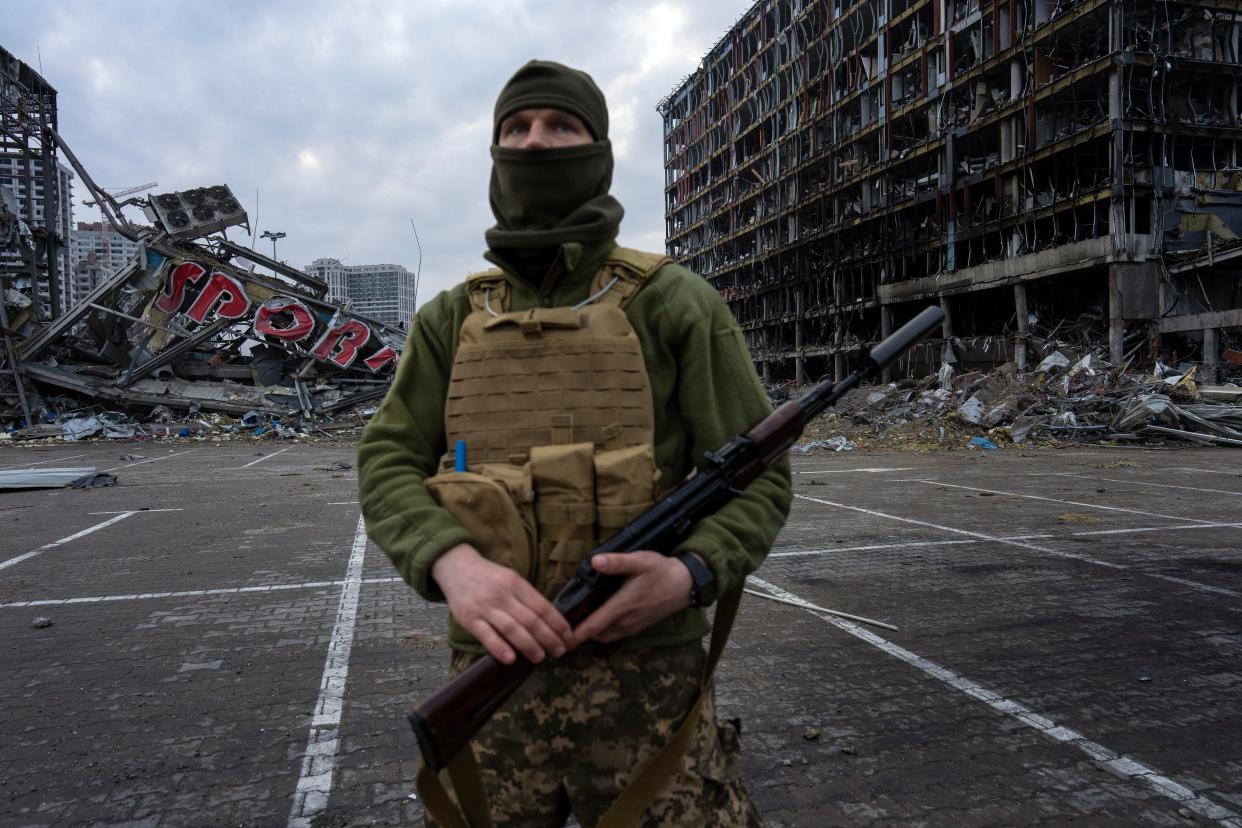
(192, 324)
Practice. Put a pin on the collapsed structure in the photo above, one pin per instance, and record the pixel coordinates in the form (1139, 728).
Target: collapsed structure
(191, 322)
(833, 166)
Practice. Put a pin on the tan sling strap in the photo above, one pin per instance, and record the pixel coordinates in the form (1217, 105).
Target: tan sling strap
(627, 809)
(463, 769)
(488, 291)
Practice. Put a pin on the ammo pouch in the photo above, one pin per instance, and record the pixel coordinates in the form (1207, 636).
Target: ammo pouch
(543, 517)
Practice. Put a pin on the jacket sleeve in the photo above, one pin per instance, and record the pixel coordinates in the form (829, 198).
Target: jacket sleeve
(720, 396)
(401, 446)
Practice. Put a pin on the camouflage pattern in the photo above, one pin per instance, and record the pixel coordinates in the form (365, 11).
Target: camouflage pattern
(573, 736)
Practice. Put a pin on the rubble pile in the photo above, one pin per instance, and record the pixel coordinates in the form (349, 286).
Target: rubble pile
(1065, 399)
(197, 336)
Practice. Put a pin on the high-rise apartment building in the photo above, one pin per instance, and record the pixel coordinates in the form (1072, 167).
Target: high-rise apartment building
(833, 166)
(97, 251)
(384, 292)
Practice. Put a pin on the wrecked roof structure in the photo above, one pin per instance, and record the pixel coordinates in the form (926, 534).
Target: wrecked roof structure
(194, 322)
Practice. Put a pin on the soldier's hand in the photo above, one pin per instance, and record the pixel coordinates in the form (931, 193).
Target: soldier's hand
(655, 587)
(498, 607)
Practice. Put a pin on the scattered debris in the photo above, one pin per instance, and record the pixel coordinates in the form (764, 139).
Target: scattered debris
(1076, 517)
(810, 734)
(94, 481)
(195, 323)
(44, 478)
(1072, 396)
(838, 443)
(41, 623)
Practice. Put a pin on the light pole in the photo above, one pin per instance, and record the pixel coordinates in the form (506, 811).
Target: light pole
(273, 235)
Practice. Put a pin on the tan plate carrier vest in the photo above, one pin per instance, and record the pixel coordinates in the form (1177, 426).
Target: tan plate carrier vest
(555, 407)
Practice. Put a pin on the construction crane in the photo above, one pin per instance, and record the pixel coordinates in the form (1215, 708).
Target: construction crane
(125, 192)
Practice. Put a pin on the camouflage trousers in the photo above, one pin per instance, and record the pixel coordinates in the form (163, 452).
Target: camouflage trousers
(577, 731)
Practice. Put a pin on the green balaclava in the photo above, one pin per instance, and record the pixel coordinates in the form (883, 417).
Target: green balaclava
(545, 198)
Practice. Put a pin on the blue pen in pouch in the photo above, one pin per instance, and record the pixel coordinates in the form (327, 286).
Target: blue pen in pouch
(459, 461)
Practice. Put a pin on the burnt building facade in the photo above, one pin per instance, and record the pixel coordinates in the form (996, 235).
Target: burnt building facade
(832, 167)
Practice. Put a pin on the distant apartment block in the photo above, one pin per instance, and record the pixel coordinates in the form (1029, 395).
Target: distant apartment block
(97, 251)
(384, 292)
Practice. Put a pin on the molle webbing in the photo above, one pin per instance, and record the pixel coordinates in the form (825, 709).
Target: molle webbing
(547, 376)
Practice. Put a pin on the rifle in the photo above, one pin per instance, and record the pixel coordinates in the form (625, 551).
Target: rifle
(449, 719)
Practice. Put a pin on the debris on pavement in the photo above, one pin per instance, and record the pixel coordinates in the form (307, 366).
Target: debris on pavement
(41, 623)
(44, 478)
(1072, 396)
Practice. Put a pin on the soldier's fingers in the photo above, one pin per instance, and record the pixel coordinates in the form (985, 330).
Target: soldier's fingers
(548, 639)
(517, 635)
(491, 641)
(542, 607)
(600, 620)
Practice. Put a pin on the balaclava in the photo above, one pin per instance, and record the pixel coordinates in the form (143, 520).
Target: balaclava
(545, 198)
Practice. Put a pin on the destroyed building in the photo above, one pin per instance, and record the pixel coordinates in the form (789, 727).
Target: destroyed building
(832, 167)
(35, 189)
(192, 321)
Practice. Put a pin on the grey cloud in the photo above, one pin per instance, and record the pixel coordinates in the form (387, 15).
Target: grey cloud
(350, 118)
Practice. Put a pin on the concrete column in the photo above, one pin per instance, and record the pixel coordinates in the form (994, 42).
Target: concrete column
(1133, 293)
(886, 330)
(799, 362)
(838, 340)
(1024, 328)
(1116, 319)
(1211, 355)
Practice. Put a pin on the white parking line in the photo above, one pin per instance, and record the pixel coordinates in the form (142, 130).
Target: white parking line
(41, 462)
(73, 537)
(794, 553)
(1120, 764)
(1231, 473)
(265, 457)
(343, 503)
(118, 511)
(1140, 483)
(153, 459)
(1058, 500)
(187, 593)
(314, 786)
(1029, 546)
(854, 471)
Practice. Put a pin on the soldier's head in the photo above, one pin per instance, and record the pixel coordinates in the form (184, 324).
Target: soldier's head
(547, 104)
(551, 160)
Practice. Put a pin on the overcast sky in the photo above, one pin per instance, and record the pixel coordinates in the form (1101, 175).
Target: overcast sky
(350, 118)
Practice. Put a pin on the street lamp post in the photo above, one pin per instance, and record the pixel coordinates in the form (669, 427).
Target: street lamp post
(273, 235)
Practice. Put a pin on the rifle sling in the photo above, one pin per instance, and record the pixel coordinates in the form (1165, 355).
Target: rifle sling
(627, 809)
(463, 769)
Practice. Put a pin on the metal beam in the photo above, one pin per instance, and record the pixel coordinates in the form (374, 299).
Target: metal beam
(319, 286)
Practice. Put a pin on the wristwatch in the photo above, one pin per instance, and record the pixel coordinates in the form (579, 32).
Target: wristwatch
(702, 580)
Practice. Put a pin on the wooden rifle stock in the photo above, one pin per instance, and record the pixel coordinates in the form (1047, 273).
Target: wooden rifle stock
(450, 718)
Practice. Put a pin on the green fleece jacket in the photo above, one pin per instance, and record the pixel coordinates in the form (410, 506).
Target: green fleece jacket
(704, 391)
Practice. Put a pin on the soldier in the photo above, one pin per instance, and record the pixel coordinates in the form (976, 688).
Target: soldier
(584, 379)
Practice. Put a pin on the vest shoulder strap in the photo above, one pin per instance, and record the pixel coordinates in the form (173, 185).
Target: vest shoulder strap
(632, 269)
(488, 289)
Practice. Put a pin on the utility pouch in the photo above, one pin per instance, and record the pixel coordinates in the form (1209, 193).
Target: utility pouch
(492, 503)
(625, 487)
(564, 479)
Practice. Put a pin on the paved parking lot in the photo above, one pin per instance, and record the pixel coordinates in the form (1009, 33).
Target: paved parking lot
(226, 649)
